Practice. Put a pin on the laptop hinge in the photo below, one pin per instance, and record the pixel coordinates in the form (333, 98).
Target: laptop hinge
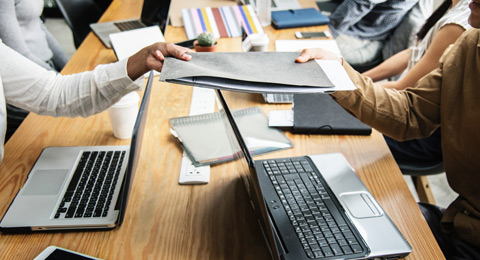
(278, 240)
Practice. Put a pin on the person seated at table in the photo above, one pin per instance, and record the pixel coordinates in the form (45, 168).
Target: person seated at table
(361, 27)
(447, 98)
(22, 29)
(27, 85)
(442, 29)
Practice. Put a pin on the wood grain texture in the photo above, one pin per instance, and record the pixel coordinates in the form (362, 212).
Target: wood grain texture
(165, 220)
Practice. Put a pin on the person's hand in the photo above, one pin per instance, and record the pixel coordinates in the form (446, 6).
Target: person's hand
(310, 54)
(152, 57)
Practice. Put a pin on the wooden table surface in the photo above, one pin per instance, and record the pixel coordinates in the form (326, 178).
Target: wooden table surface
(165, 220)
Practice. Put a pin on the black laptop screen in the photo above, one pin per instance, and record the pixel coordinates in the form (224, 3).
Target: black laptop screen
(135, 148)
(155, 12)
(245, 164)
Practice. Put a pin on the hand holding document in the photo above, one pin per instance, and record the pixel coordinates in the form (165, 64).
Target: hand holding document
(127, 43)
(257, 72)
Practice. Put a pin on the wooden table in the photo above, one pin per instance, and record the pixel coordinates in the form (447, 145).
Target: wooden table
(166, 220)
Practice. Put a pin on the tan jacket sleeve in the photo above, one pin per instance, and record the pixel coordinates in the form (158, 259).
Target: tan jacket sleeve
(402, 115)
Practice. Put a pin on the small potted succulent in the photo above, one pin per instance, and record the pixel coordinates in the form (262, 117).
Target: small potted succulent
(206, 42)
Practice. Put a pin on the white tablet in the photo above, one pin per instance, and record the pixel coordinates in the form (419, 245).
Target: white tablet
(57, 253)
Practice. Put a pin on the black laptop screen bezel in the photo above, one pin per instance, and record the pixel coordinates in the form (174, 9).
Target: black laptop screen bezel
(156, 12)
(135, 148)
(250, 179)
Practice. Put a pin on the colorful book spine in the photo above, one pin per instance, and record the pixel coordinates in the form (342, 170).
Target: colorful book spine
(223, 22)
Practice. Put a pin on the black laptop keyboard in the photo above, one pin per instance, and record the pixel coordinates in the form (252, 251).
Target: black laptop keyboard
(91, 188)
(320, 226)
(129, 25)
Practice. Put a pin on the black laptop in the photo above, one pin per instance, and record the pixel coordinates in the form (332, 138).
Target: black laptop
(315, 206)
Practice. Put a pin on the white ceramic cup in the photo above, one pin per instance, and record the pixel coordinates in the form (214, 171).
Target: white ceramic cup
(123, 115)
(259, 42)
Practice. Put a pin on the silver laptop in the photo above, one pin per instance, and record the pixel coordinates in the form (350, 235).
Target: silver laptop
(314, 207)
(154, 12)
(78, 188)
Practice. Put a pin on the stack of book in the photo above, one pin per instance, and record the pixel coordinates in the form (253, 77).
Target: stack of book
(223, 22)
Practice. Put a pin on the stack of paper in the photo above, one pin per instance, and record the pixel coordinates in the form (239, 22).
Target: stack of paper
(223, 22)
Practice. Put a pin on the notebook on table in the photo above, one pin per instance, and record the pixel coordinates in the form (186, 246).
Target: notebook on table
(203, 139)
(320, 114)
(78, 188)
(154, 12)
(315, 206)
(298, 18)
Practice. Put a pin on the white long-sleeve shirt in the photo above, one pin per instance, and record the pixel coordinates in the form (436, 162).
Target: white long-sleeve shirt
(29, 86)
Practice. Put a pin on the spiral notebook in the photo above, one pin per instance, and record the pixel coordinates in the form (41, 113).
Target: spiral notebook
(204, 140)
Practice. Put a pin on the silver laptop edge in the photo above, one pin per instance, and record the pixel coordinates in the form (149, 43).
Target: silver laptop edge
(36, 205)
(381, 235)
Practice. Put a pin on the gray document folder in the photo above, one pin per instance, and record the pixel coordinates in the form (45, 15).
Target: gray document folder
(257, 72)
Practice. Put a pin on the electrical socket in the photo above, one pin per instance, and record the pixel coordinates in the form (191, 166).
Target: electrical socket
(203, 101)
(190, 174)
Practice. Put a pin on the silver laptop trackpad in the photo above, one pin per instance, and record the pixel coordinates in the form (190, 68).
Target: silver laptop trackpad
(360, 205)
(45, 182)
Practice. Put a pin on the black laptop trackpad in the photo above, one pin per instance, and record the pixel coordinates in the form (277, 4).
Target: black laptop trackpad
(45, 182)
(360, 205)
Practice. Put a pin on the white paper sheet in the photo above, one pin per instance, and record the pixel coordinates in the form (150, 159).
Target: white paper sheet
(127, 43)
(298, 45)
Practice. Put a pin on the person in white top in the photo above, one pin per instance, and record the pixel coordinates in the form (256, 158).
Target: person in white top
(27, 85)
(441, 30)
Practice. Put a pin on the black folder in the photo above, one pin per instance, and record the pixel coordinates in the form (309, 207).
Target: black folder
(320, 114)
(298, 18)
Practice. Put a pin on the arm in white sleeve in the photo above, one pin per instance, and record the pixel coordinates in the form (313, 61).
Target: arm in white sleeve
(31, 87)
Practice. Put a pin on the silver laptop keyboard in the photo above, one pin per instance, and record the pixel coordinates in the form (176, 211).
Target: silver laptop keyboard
(320, 226)
(129, 25)
(91, 188)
